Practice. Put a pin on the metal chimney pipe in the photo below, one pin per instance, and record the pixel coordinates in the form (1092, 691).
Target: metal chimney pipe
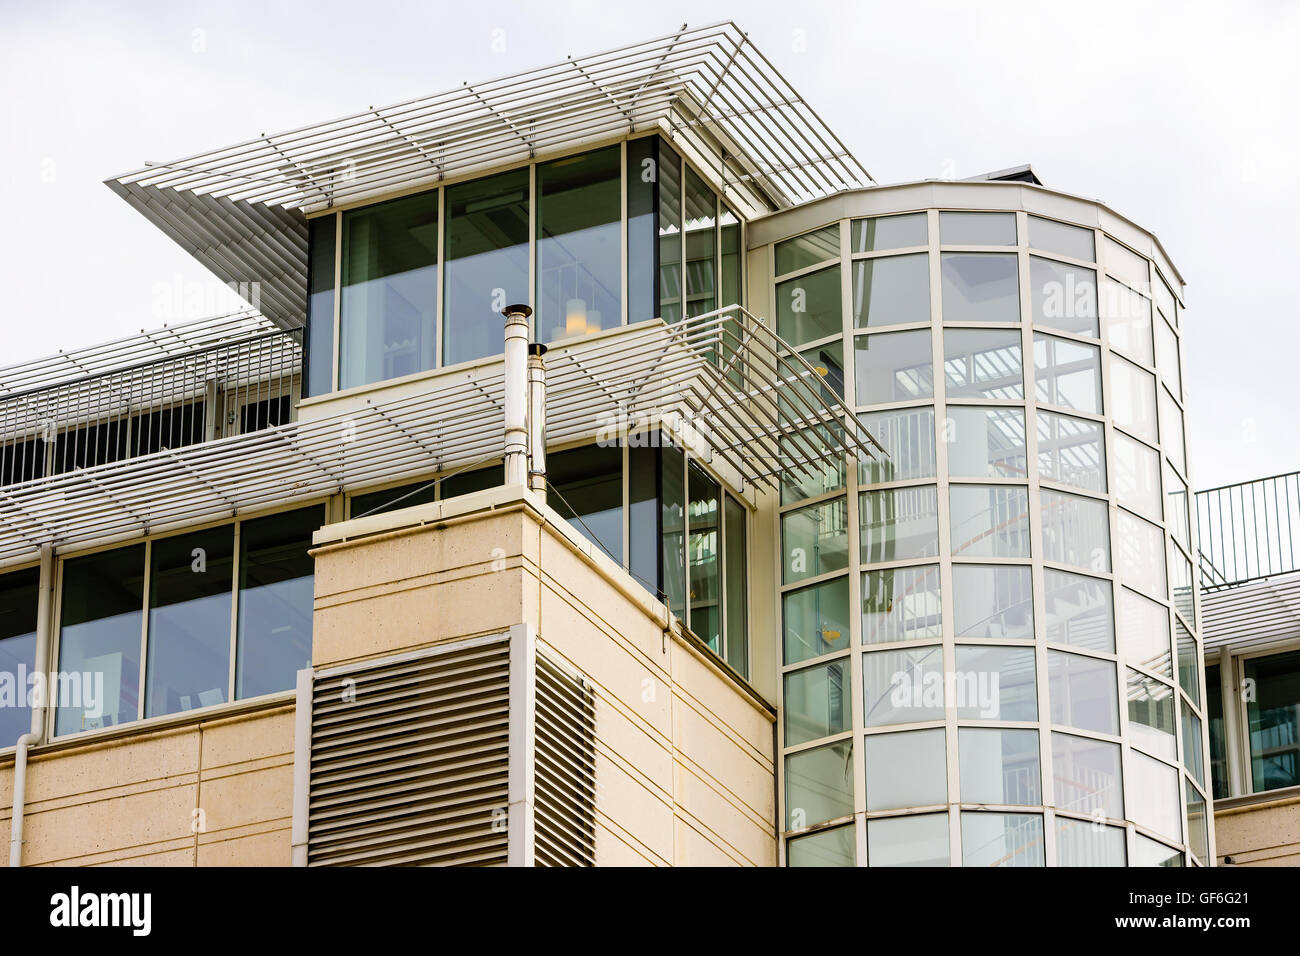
(516, 395)
(537, 417)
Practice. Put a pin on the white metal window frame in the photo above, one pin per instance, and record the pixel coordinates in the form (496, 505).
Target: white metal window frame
(945, 560)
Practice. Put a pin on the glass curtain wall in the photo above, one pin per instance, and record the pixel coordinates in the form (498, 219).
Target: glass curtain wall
(1003, 571)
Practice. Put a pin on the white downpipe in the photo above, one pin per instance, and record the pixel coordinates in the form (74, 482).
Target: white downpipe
(37, 732)
(516, 394)
(537, 418)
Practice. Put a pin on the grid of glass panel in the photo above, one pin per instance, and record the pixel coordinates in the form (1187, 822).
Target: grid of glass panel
(1016, 561)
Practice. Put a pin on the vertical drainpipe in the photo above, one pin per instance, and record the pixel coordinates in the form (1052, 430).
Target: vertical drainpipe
(516, 394)
(537, 418)
(37, 732)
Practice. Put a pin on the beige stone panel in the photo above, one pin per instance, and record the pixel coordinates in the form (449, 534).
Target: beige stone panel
(617, 669)
(619, 614)
(696, 849)
(629, 805)
(240, 799)
(415, 618)
(250, 737)
(730, 706)
(271, 848)
(183, 857)
(613, 849)
(100, 768)
(649, 754)
(716, 814)
(746, 780)
(122, 823)
(1263, 836)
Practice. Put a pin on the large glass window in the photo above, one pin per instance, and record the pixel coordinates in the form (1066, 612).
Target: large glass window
(1067, 374)
(642, 227)
(1079, 611)
(907, 435)
(1062, 239)
(1128, 321)
(390, 291)
(1083, 843)
(701, 245)
(809, 307)
(276, 578)
(1001, 839)
(898, 524)
(1072, 451)
(1063, 297)
(891, 290)
(1171, 429)
(1198, 831)
(912, 840)
(902, 687)
(486, 246)
(996, 683)
(977, 228)
(1193, 751)
(1218, 737)
(1167, 358)
(1153, 796)
(672, 521)
(1075, 530)
(704, 555)
(834, 847)
(805, 474)
(906, 770)
(190, 584)
(992, 601)
(901, 604)
(815, 540)
(819, 785)
(1137, 476)
(890, 232)
(1151, 715)
(980, 287)
(999, 767)
(816, 620)
(735, 557)
(1083, 692)
(1273, 720)
(1086, 776)
(587, 488)
(816, 702)
(989, 521)
(1127, 264)
(1133, 399)
(1147, 852)
(986, 442)
(807, 250)
(19, 593)
(318, 361)
(1140, 554)
(101, 621)
(983, 363)
(670, 234)
(1143, 627)
(893, 367)
(579, 269)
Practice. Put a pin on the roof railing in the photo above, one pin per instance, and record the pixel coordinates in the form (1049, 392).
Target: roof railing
(1248, 530)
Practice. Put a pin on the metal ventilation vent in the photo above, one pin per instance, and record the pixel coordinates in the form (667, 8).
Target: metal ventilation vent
(475, 753)
(565, 804)
(410, 760)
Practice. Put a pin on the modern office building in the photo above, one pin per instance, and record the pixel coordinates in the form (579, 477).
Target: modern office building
(1250, 580)
(611, 472)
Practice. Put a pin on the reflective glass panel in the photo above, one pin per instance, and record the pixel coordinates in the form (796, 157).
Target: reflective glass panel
(1140, 554)
(19, 593)
(1128, 321)
(1082, 843)
(1064, 297)
(1001, 839)
(1067, 373)
(907, 435)
(891, 290)
(807, 250)
(1133, 399)
(1143, 627)
(999, 767)
(1151, 715)
(890, 232)
(898, 524)
(816, 620)
(587, 489)
(818, 785)
(815, 540)
(994, 601)
(920, 840)
(1137, 476)
(1062, 239)
(816, 702)
(1079, 610)
(901, 604)
(989, 521)
(893, 367)
(1072, 451)
(809, 307)
(977, 228)
(906, 770)
(996, 683)
(980, 287)
(1153, 796)
(1075, 530)
(986, 442)
(835, 847)
(1083, 692)
(1086, 776)
(902, 687)
(983, 363)
(1273, 720)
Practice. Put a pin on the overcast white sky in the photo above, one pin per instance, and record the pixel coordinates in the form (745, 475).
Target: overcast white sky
(1181, 116)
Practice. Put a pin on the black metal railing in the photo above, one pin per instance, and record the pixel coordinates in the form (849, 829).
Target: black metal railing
(1247, 531)
(224, 389)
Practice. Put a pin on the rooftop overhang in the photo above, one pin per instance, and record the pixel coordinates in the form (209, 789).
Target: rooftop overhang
(242, 210)
(724, 384)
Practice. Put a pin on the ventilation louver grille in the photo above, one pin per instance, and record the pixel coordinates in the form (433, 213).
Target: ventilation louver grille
(409, 761)
(565, 770)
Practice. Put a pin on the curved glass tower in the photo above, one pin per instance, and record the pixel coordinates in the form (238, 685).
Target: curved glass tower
(989, 650)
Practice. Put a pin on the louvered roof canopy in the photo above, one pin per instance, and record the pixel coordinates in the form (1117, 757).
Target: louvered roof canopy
(723, 383)
(240, 210)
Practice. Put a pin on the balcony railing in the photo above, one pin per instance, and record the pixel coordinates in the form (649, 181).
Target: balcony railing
(215, 391)
(1248, 530)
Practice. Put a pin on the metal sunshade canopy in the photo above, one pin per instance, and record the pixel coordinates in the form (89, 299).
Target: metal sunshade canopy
(240, 210)
(743, 398)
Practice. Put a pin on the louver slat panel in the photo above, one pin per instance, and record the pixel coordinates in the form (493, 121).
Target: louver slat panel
(409, 761)
(565, 800)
